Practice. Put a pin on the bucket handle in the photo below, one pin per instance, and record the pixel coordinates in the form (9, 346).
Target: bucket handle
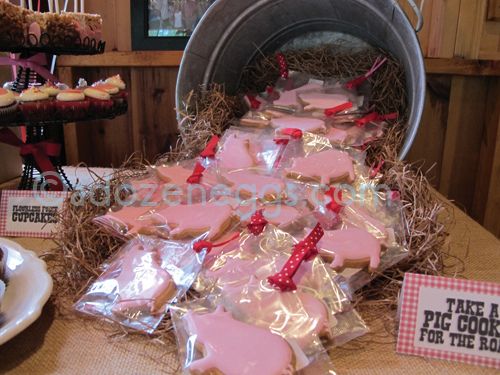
(418, 12)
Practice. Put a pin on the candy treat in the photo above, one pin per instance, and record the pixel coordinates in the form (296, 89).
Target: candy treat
(193, 220)
(231, 347)
(251, 185)
(350, 247)
(50, 89)
(71, 105)
(296, 316)
(101, 104)
(289, 98)
(306, 124)
(8, 106)
(327, 167)
(36, 106)
(236, 153)
(145, 191)
(320, 101)
(88, 26)
(117, 81)
(175, 174)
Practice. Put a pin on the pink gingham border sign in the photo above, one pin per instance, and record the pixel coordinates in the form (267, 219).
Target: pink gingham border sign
(450, 319)
(29, 213)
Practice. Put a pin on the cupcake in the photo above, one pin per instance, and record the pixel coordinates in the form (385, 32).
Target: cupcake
(36, 105)
(50, 89)
(71, 105)
(101, 104)
(8, 106)
(116, 96)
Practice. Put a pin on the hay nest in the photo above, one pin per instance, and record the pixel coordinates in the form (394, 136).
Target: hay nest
(82, 246)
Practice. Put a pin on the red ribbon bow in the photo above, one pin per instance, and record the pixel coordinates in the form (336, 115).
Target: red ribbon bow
(305, 250)
(41, 152)
(253, 101)
(199, 246)
(374, 116)
(355, 83)
(329, 112)
(210, 149)
(257, 223)
(292, 133)
(284, 72)
(197, 175)
(335, 204)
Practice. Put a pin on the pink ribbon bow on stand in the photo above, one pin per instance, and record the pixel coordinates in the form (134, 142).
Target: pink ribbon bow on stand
(304, 251)
(35, 63)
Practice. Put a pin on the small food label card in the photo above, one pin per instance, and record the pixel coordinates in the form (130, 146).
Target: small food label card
(29, 213)
(456, 320)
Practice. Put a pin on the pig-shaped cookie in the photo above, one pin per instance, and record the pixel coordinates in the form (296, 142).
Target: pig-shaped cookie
(142, 281)
(327, 167)
(231, 347)
(350, 247)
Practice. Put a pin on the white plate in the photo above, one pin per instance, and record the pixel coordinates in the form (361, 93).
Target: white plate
(28, 290)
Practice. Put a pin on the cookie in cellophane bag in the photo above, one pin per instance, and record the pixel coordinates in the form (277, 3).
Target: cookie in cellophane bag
(239, 276)
(367, 234)
(140, 282)
(212, 340)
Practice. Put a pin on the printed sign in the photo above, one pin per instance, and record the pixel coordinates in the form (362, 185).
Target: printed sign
(29, 213)
(451, 319)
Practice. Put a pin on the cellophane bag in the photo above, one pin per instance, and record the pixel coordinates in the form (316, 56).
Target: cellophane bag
(210, 338)
(320, 308)
(141, 280)
(373, 216)
(163, 186)
(241, 148)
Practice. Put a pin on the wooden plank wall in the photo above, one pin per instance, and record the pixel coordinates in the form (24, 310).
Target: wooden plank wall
(459, 138)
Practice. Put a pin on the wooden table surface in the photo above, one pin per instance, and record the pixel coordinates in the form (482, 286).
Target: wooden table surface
(73, 346)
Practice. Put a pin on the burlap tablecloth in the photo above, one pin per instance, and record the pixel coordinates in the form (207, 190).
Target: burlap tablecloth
(55, 346)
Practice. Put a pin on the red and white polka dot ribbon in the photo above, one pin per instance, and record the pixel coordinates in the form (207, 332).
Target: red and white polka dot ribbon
(335, 205)
(197, 175)
(284, 72)
(257, 223)
(305, 250)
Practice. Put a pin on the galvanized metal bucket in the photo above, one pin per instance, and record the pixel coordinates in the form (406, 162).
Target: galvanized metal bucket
(233, 32)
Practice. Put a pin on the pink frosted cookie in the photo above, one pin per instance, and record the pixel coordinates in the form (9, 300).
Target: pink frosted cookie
(306, 124)
(297, 316)
(320, 101)
(232, 347)
(251, 185)
(236, 153)
(351, 247)
(289, 98)
(148, 190)
(193, 220)
(281, 215)
(327, 167)
(128, 219)
(141, 281)
(177, 175)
